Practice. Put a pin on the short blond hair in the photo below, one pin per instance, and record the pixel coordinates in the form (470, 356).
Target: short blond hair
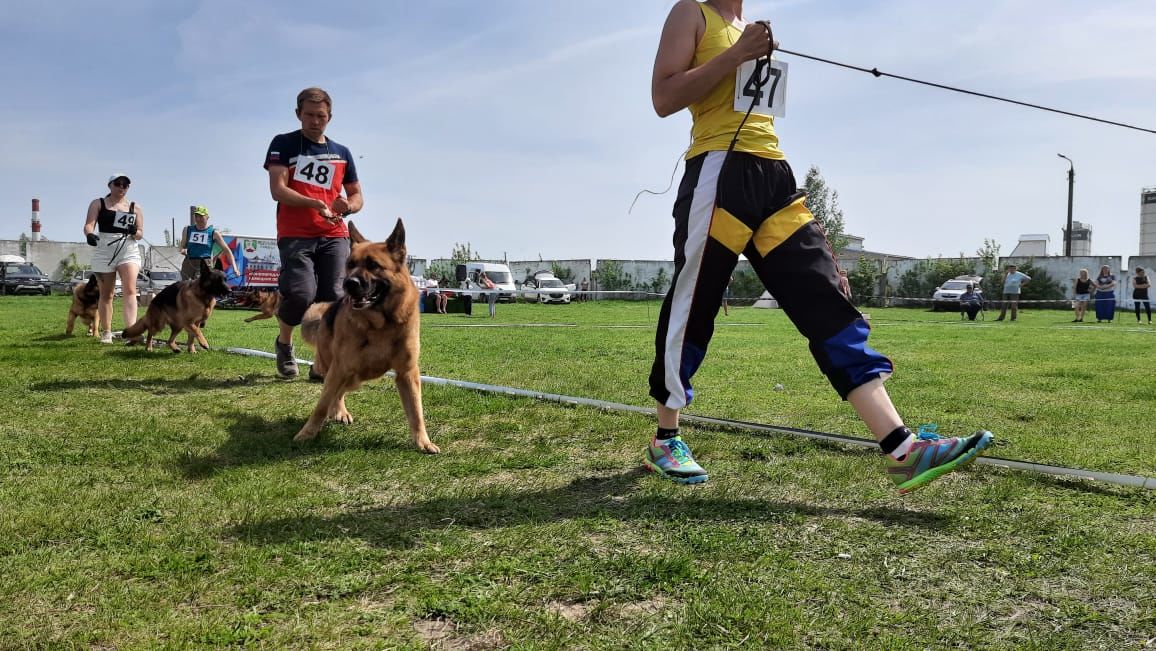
(314, 94)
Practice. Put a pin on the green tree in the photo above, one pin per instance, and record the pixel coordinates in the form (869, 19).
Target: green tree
(24, 245)
(1042, 287)
(610, 276)
(462, 253)
(440, 269)
(657, 284)
(992, 283)
(746, 288)
(68, 267)
(565, 274)
(864, 281)
(823, 202)
(168, 238)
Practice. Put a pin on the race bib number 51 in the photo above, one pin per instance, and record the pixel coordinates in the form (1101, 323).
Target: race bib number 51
(199, 238)
(769, 99)
(312, 171)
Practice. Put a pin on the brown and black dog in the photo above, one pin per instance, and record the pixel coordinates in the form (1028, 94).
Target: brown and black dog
(266, 302)
(181, 306)
(375, 328)
(85, 296)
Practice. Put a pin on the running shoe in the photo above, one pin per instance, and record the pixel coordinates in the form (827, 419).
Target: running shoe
(106, 337)
(671, 458)
(931, 457)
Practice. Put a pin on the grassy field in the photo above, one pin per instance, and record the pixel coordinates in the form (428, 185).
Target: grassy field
(156, 501)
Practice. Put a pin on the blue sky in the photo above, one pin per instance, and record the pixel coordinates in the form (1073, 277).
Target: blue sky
(525, 128)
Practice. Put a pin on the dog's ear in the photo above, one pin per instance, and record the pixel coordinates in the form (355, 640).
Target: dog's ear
(396, 242)
(355, 236)
(92, 282)
(205, 267)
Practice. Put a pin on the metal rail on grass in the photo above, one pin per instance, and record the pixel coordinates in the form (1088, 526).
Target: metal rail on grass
(1135, 481)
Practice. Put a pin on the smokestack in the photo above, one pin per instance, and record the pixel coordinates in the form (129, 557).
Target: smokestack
(35, 220)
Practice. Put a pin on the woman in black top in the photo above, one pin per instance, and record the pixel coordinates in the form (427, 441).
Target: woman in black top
(1140, 287)
(1082, 293)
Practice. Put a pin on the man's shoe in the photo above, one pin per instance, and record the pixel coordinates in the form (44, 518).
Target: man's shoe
(671, 458)
(931, 457)
(286, 360)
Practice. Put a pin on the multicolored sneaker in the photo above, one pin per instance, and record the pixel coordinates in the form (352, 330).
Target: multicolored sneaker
(672, 459)
(932, 456)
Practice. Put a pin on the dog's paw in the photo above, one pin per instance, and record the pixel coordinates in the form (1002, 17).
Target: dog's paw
(342, 416)
(428, 447)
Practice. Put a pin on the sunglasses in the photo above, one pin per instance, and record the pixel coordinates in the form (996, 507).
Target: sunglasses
(120, 184)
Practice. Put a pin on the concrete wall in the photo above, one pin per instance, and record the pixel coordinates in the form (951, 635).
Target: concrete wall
(1065, 270)
(579, 269)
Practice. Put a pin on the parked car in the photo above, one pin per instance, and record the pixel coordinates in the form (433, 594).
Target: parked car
(155, 280)
(24, 278)
(546, 288)
(82, 277)
(947, 295)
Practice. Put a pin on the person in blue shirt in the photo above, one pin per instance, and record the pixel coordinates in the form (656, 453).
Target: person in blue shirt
(970, 302)
(197, 242)
(1012, 282)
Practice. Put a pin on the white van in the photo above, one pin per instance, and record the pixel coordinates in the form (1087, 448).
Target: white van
(497, 272)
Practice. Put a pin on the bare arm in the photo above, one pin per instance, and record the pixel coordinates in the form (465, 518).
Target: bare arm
(352, 202)
(90, 220)
(675, 85)
(282, 193)
(184, 243)
(139, 224)
(227, 252)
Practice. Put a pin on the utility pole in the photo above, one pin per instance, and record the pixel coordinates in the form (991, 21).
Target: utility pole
(1071, 186)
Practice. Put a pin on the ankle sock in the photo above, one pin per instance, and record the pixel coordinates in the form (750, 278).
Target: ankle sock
(664, 434)
(898, 443)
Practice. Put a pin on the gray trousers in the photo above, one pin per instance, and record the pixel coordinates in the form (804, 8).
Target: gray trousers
(312, 270)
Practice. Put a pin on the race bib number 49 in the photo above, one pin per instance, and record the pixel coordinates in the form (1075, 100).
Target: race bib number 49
(771, 97)
(124, 220)
(315, 172)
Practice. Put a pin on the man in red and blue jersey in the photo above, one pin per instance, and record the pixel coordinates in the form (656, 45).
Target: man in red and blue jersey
(308, 173)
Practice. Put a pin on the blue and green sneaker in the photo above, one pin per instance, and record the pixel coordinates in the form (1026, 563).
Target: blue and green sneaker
(671, 458)
(931, 457)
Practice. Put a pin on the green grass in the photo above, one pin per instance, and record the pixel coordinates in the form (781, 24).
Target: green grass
(156, 501)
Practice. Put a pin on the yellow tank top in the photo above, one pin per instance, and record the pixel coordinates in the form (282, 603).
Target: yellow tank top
(715, 117)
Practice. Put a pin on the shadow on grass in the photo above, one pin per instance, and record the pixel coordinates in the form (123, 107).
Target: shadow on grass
(614, 496)
(158, 385)
(61, 336)
(254, 440)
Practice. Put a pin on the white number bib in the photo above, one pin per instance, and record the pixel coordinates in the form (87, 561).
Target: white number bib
(312, 171)
(771, 99)
(199, 238)
(124, 219)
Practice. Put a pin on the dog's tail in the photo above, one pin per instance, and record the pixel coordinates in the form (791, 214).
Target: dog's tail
(135, 330)
(312, 321)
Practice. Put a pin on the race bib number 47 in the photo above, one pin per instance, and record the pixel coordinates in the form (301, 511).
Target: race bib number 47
(315, 172)
(770, 98)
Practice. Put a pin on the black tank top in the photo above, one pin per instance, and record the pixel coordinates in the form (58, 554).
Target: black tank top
(115, 221)
(1083, 286)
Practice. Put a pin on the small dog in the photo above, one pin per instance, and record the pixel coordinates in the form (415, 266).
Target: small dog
(373, 329)
(267, 303)
(85, 297)
(185, 305)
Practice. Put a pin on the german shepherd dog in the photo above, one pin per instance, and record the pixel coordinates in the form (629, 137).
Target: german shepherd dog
(373, 329)
(85, 296)
(265, 301)
(181, 306)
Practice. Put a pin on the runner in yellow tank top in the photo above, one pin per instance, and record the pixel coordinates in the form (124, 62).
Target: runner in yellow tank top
(746, 202)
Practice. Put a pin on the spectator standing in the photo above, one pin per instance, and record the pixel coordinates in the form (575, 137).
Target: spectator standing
(1105, 295)
(1140, 285)
(1013, 280)
(1083, 291)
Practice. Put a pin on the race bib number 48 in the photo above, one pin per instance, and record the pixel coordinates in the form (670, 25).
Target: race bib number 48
(315, 172)
(771, 97)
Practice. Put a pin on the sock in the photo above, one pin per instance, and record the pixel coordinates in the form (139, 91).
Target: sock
(664, 434)
(898, 443)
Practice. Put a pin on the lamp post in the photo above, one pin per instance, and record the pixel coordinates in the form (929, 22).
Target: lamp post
(1071, 185)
